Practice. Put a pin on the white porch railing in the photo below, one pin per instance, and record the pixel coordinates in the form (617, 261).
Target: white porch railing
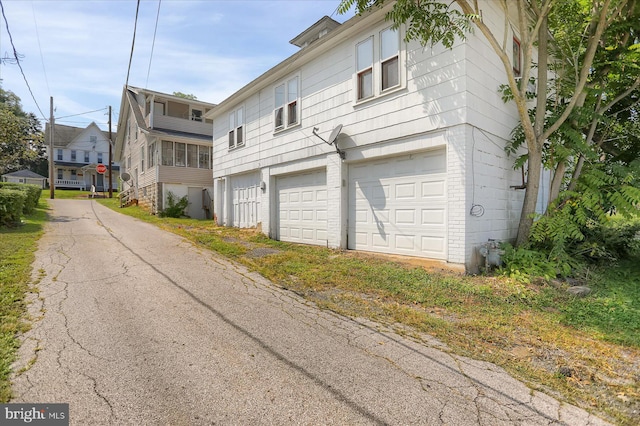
(68, 183)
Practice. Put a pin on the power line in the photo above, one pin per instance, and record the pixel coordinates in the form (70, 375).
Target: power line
(153, 43)
(133, 43)
(15, 55)
(35, 23)
(82, 113)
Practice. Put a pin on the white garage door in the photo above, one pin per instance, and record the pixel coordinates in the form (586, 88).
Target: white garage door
(245, 191)
(397, 205)
(302, 208)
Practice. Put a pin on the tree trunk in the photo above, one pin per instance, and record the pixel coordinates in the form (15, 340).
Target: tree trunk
(530, 196)
(556, 183)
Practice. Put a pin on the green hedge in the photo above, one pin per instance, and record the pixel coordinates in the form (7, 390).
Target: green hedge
(12, 203)
(32, 193)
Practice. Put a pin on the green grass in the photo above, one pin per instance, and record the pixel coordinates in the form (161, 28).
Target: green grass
(17, 253)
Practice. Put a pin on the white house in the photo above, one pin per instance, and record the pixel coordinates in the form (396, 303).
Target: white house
(418, 167)
(76, 153)
(164, 144)
(25, 176)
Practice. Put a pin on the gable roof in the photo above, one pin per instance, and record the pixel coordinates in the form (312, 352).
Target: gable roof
(25, 174)
(64, 135)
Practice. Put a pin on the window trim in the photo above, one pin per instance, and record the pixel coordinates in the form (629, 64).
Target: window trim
(237, 128)
(288, 105)
(376, 69)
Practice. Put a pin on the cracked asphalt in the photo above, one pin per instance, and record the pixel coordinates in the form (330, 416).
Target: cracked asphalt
(135, 325)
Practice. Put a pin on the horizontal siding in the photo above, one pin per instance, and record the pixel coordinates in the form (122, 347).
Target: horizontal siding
(181, 125)
(185, 175)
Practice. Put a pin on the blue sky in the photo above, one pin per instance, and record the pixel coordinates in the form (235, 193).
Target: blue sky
(78, 50)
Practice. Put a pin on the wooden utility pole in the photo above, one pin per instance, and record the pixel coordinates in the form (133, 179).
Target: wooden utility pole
(110, 156)
(52, 182)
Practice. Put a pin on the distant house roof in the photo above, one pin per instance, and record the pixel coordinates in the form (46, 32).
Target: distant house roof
(25, 174)
(314, 32)
(64, 135)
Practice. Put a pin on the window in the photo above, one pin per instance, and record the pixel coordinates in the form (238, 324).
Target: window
(74, 175)
(204, 156)
(192, 156)
(181, 154)
(389, 58)
(129, 163)
(286, 96)
(86, 156)
(59, 154)
(60, 174)
(73, 155)
(236, 128)
(517, 64)
(364, 67)
(142, 158)
(152, 154)
(378, 64)
(196, 115)
(158, 108)
(167, 153)
(93, 139)
(100, 157)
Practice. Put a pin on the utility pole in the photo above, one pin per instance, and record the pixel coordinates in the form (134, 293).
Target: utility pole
(110, 156)
(51, 133)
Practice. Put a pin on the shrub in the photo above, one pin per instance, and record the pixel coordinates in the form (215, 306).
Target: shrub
(176, 208)
(11, 206)
(32, 193)
(521, 263)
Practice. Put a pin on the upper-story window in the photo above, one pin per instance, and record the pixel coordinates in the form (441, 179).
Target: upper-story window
(59, 154)
(181, 154)
(100, 157)
(287, 104)
(517, 57)
(86, 156)
(142, 158)
(73, 155)
(196, 115)
(236, 128)
(152, 154)
(378, 65)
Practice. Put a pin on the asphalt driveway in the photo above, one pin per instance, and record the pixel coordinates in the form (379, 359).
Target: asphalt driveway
(135, 325)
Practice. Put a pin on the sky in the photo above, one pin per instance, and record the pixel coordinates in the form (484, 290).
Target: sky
(77, 51)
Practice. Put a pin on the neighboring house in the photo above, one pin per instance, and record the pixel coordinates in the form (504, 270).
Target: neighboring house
(164, 144)
(421, 168)
(76, 153)
(25, 176)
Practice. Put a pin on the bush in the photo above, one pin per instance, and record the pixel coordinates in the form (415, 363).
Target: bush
(521, 263)
(613, 240)
(11, 206)
(32, 193)
(176, 208)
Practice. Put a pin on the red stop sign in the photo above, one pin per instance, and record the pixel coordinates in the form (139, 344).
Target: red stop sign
(101, 168)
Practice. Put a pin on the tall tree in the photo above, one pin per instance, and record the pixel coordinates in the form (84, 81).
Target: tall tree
(433, 21)
(21, 139)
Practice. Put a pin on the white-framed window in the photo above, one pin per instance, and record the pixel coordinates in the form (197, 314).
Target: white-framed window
(364, 68)
(100, 157)
(60, 174)
(287, 104)
(142, 158)
(192, 156)
(181, 154)
(379, 64)
(236, 128)
(152, 154)
(86, 156)
(73, 155)
(516, 57)
(59, 154)
(74, 175)
(167, 153)
(204, 157)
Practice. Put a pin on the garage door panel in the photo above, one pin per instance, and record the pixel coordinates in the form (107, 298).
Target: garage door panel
(302, 210)
(245, 200)
(398, 205)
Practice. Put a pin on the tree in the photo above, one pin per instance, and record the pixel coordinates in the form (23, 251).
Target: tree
(431, 21)
(191, 97)
(21, 138)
